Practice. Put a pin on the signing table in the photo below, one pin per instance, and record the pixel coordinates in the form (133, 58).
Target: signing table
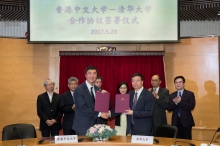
(113, 141)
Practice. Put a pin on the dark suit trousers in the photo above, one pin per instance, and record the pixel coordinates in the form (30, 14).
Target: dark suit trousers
(96, 121)
(132, 129)
(49, 133)
(103, 121)
(68, 132)
(80, 133)
(183, 132)
(154, 129)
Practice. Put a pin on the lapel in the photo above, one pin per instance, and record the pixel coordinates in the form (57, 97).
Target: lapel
(97, 88)
(174, 94)
(87, 91)
(71, 97)
(46, 97)
(140, 98)
(159, 92)
(132, 99)
(183, 94)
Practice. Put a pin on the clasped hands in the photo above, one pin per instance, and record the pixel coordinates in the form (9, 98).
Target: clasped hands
(177, 100)
(73, 106)
(50, 122)
(105, 115)
(154, 93)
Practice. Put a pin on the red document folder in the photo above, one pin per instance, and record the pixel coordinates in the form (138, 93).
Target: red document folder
(102, 101)
(122, 103)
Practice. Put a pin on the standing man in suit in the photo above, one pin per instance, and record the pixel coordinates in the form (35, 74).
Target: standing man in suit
(182, 102)
(98, 83)
(162, 97)
(85, 116)
(48, 110)
(140, 114)
(67, 105)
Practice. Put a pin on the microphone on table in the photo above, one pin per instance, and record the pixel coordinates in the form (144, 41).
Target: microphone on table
(40, 141)
(214, 135)
(156, 140)
(16, 130)
(191, 144)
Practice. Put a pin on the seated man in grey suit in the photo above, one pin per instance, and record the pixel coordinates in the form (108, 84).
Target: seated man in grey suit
(67, 105)
(140, 114)
(162, 97)
(85, 116)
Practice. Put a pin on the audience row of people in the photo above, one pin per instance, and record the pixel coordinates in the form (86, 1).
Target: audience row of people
(147, 107)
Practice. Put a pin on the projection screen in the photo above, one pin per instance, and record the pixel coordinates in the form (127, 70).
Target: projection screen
(103, 21)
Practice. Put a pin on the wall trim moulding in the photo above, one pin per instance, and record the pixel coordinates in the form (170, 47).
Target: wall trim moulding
(115, 53)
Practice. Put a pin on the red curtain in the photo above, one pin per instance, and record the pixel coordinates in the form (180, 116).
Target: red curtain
(113, 70)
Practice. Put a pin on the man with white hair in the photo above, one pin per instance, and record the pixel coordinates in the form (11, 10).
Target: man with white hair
(48, 110)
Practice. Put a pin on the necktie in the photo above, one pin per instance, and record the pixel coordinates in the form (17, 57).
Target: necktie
(93, 97)
(179, 94)
(74, 103)
(73, 97)
(133, 106)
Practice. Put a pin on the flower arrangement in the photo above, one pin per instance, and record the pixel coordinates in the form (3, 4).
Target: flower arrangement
(100, 132)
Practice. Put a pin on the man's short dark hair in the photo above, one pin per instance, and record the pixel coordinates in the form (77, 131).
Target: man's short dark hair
(179, 77)
(91, 67)
(139, 75)
(122, 83)
(99, 77)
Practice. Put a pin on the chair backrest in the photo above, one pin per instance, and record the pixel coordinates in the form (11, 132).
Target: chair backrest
(25, 130)
(169, 131)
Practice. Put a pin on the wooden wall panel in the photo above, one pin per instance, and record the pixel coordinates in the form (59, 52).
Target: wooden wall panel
(197, 60)
(21, 75)
(24, 67)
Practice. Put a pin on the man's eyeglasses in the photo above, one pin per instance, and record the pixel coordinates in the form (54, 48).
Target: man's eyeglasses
(178, 82)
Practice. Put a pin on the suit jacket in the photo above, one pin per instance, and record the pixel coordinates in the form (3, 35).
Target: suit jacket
(142, 114)
(159, 116)
(185, 106)
(47, 111)
(66, 103)
(85, 116)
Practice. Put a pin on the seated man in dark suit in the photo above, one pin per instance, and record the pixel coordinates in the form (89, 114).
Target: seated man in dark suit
(48, 110)
(67, 105)
(182, 102)
(140, 114)
(162, 97)
(85, 116)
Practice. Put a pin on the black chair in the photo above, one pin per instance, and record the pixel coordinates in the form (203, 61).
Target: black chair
(25, 130)
(168, 131)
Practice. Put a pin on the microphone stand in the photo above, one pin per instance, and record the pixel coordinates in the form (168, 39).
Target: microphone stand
(183, 142)
(16, 130)
(214, 136)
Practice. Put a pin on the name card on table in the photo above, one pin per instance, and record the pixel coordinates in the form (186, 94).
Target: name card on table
(142, 139)
(66, 139)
